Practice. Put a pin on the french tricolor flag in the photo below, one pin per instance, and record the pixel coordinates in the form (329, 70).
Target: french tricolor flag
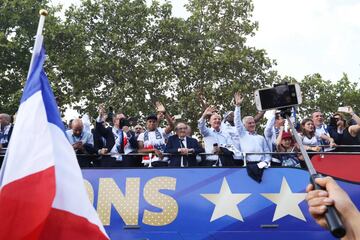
(42, 193)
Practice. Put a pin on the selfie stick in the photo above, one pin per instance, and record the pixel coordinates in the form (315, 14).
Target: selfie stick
(333, 220)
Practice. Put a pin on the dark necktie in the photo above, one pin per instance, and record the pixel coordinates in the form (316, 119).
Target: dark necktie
(182, 143)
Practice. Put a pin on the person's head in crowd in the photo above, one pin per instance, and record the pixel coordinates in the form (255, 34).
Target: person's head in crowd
(181, 130)
(77, 127)
(138, 129)
(286, 140)
(249, 124)
(279, 120)
(5, 119)
(215, 121)
(308, 127)
(317, 118)
(117, 118)
(188, 131)
(229, 117)
(151, 122)
(340, 120)
(70, 123)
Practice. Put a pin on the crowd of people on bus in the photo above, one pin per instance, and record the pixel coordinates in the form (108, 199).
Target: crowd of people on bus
(231, 140)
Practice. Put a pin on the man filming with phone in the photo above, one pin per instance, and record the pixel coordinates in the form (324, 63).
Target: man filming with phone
(342, 132)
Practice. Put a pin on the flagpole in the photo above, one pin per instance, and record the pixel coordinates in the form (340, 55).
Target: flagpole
(37, 47)
(38, 38)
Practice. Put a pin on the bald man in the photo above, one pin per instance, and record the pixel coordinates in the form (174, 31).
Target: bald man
(81, 140)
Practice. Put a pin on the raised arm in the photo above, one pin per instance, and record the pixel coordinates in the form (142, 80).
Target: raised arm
(278, 139)
(354, 130)
(269, 126)
(201, 123)
(161, 111)
(237, 114)
(259, 116)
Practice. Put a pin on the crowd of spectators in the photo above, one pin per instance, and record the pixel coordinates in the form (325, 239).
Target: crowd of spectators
(229, 141)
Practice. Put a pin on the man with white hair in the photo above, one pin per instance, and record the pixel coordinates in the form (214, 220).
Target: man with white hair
(5, 129)
(250, 141)
(217, 141)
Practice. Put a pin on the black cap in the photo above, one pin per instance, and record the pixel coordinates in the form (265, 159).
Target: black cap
(152, 117)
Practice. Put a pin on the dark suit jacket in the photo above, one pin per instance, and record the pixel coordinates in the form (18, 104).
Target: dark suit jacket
(101, 133)
(173, 145)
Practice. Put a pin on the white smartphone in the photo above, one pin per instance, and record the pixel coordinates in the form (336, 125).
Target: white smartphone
(344, 109)
(284, 95)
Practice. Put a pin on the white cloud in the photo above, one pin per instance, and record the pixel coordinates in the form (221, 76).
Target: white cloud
(306, 36)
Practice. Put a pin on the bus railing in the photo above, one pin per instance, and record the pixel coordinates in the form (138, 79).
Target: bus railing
(92, 157)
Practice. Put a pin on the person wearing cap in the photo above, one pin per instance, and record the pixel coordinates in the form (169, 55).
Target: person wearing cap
(153, 140)
(285, 144)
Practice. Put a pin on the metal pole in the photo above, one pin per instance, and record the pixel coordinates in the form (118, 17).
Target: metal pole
(38, 38)
(333, 220)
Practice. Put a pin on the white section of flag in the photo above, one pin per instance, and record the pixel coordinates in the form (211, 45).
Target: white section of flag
(33, 143)
(70, 194)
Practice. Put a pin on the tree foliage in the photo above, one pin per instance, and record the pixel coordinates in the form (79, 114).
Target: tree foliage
(129, 54)
(327, 96)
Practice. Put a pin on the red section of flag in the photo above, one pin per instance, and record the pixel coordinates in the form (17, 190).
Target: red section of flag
(65, 225)
(340, 166)
(27, 204)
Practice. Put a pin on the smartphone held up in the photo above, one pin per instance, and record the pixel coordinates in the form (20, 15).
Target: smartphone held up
(280, 96)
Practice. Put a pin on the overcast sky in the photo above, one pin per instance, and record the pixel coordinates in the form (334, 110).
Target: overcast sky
(303, 36)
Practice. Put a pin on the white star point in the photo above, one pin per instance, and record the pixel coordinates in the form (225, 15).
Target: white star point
(287, 202)
(226, 202)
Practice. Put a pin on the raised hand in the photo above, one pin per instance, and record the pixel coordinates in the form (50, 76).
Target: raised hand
(102, 112)
(160, 107)
(209, 111)
(238, 98)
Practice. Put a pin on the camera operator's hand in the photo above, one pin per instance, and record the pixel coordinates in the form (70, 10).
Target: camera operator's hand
(238, 99)
(334, 195)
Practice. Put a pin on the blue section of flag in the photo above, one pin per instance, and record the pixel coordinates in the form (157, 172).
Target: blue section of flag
(38, 81)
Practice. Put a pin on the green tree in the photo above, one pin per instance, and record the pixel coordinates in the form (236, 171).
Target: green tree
(327, 96)
(129, 55)
(18, 26)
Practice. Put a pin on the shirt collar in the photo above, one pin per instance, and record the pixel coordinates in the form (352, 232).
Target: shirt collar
(220, 131)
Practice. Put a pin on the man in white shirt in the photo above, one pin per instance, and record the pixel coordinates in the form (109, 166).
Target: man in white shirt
(217, 141)
(250, 141)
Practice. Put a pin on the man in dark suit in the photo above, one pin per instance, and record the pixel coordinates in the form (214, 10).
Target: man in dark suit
(183, 147)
